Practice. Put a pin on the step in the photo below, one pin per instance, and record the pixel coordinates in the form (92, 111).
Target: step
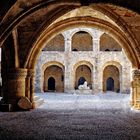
(38, 101)
(36, 98)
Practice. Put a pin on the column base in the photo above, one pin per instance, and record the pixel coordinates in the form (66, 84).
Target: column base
(136, 105)
(6, 107)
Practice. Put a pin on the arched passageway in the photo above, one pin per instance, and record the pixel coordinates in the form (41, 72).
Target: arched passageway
(83, 73)
(32, 38)
(53, 79)
(111, 79)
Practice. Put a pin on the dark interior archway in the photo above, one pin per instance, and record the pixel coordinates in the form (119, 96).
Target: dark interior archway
(51, 84)
(83, 73)
(53, 79)
(110, 84)
(111, 78)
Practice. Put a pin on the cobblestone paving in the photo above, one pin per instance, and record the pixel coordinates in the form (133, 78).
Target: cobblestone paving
(105, 122)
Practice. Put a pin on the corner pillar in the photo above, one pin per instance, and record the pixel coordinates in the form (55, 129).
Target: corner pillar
(31, 85)
(135, 95)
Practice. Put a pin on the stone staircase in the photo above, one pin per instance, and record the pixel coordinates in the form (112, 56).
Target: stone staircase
(38, 101)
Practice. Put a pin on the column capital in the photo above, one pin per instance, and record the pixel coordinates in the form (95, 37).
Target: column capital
(30, 72)
(16, 73)
(136, 73)
(68, 39)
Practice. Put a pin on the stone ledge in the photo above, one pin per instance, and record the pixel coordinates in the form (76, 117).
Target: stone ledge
(84, 91)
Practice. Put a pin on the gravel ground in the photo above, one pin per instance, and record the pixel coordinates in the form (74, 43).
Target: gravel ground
(74, 117)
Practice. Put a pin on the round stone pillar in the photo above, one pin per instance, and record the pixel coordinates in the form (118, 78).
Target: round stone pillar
(13, 85)
(32, 87)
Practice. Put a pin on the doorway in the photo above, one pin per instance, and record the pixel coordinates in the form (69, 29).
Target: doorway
(51, 84)
(110, 84)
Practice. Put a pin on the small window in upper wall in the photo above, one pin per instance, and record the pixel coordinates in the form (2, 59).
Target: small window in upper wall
(107, 50)
(75, 50)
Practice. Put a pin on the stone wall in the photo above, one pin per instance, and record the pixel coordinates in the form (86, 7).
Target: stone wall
(97, 61)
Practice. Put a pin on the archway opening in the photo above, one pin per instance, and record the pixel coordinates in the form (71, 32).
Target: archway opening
(53, 80)
(111, 79)
(107, 43)
(83, 73)
(55, 44)
(82, 41)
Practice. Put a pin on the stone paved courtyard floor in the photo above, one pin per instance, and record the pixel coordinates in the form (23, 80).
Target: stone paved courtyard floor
(74, 117)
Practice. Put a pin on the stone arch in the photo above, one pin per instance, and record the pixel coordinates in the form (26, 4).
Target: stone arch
(112, 70)
(108, 43)
(84, 70)
(115, 32)
(134, 51)
(82, 29)
(60, 72)
(82, 41)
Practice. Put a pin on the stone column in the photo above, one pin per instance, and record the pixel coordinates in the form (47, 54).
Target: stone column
(95, 79)
(67, 81)
(96, 40)
(32, 86)
(135, 95)
(28, 82)
(67, 44)
(13, 85)
(96, 44)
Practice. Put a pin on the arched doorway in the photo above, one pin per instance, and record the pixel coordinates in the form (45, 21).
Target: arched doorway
(111, 79)
(110, 84)
(51, 84)
(83, 73)
(53, 79)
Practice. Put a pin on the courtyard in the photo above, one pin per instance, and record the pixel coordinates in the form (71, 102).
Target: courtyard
(65, 116)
